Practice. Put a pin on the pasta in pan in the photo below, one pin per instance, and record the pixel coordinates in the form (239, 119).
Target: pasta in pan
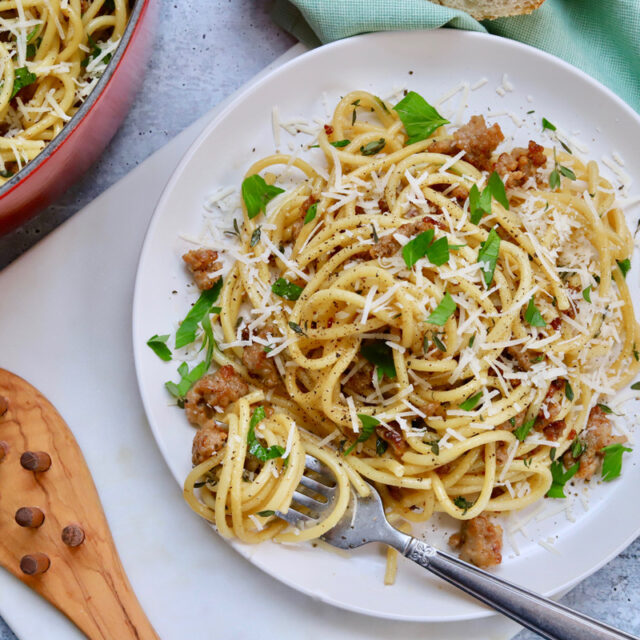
(52, 54)
(429, 316)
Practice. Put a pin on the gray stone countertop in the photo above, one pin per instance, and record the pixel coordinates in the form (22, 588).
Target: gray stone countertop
(223, 43)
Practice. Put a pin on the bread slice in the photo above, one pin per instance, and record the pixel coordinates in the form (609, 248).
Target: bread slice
(491, 9)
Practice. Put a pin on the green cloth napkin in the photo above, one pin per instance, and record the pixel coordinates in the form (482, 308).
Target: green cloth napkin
(601, 37)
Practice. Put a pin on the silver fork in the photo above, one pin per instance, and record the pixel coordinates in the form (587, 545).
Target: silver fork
(365, 522)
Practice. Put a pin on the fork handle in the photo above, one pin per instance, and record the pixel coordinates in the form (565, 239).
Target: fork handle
(546, 617)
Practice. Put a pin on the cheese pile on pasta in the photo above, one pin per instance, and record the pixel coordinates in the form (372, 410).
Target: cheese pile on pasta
(429, 315)
(52, 54)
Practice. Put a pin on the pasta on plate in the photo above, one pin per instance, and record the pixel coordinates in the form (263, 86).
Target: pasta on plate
(52, 54)
(429, 315)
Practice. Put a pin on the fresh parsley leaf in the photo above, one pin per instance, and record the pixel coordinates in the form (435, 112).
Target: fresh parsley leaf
(445, 309)
(419, 118)
(488, 255)
(547, 125)
(554, 180)
(255, 237)
(22, 78)
(287, 290)
(496, 187)
(255, 448)
(369, 424)
(479, 203)
(439, 344)
(470, 403)
(612, 462)
(381, 446)
(438, 251)
(95, 52)
(523, 430)
(586, 293)
(373, 147)
(186, 333)
(560, 477)
(297, 328)
(568, 391)
(311, 213)
(256, 193)
(380, 354)
(566, 172)
(187, 380)
(416, 248)
(266, 513)
(533, 316)
(463, 503)
(159, 346)
(625, 266)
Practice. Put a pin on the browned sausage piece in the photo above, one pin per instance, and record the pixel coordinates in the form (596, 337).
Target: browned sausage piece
(596, 435)
(201, 262)
(521, 164)
(479, 542)
(207, 442)
(217, 389)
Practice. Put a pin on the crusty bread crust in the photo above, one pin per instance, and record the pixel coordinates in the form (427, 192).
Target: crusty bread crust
(491, 9)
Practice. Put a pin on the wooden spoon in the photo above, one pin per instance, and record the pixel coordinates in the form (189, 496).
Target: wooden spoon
(53, 532)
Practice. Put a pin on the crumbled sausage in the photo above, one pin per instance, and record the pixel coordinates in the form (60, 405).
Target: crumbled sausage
(217, 389)
(596, 436)
(521, 164)
(393, 437)
(361, 381)
(200, 263)
(519, 355)
(554, 430)
(474, 138)
(388, 245)
(383, 206)
(551, 404)
(4, 405)
(255, 358)
(479, 542)
(207, 442)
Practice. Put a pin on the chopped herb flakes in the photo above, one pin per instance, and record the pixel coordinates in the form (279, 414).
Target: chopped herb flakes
(568, 391)
(369, 424)
(547, 125)
(463, 503)
(255, 237)
(480, 203)
(586, 293)
(625, 266)
(187, 380)
(373, 147)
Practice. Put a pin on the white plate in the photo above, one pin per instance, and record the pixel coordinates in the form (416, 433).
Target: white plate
(431, 63)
